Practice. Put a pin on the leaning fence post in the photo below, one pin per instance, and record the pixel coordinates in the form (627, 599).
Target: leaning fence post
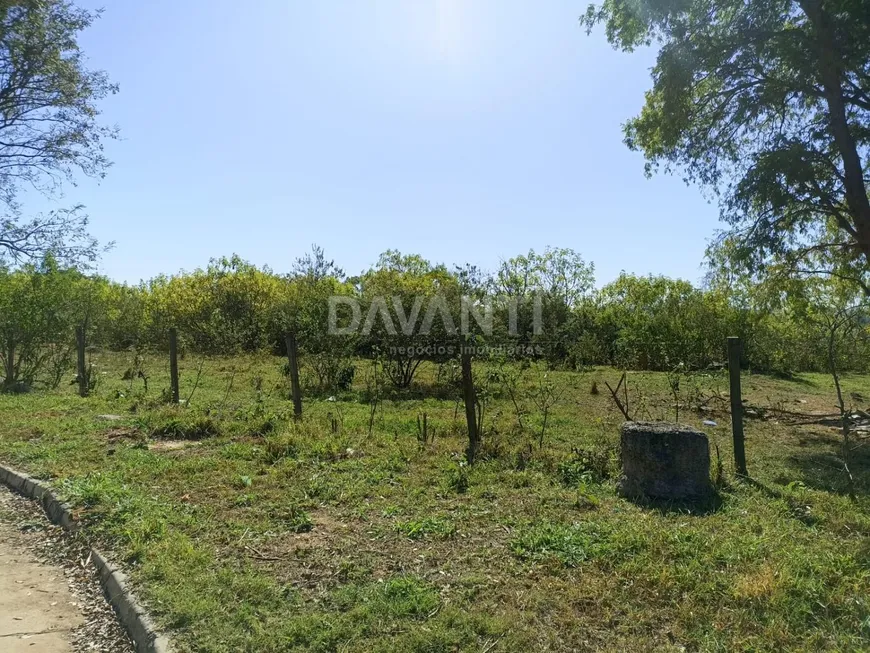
(173, 364)
(736, 405)
(293, 359)
(80, 361)
(470, 398)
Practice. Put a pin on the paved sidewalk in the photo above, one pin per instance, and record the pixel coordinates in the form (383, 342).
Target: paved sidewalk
(50, 601)
(36, 607)
(37, 611)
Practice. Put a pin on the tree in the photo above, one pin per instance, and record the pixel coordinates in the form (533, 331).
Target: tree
(49, 124)
(303, 310)
(223, 309)
(411, 314)
(39, 310)
(62, 232)
(550, 284)
(559, 271)
(837, 317)
(765, 103)
(315, 266)
(473, 281)
(659, 323)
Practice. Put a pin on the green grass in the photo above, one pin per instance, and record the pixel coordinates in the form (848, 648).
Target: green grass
(417, 529)
(569, 544)
(247, 531)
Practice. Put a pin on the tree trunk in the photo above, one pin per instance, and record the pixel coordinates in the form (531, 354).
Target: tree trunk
(844, 415)
(10, 363)
(734, 354)
(80, 362)
(173, 365)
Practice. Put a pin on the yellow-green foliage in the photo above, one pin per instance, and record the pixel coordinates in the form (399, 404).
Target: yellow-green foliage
(232, 306)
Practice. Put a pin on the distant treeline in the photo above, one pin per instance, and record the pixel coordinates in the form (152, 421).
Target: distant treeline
(232, 307)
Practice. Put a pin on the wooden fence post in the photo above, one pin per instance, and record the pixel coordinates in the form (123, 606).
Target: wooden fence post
(80, 362)
(470, 398)
(736, 405)
(295, 390)
(173, 363)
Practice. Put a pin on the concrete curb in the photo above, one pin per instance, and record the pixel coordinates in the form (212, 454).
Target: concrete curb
(131, 614)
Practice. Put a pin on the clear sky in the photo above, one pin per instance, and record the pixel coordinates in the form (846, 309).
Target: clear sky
(462, 130)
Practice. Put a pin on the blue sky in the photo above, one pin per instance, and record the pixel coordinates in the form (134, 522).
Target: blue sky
(462, 130)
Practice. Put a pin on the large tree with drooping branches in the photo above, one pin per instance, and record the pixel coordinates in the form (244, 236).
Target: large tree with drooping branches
(768, 105)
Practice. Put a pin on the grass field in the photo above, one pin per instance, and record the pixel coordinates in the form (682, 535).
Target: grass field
(245, 531)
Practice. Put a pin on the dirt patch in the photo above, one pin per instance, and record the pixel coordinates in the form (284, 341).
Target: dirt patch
(171, 445)
(337, 551)
(122, 433)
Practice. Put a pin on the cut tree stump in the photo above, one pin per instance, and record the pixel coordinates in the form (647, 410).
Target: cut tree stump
(664, 461)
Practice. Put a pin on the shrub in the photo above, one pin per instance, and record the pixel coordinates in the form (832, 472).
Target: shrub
(457, 479)
(586, 466)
